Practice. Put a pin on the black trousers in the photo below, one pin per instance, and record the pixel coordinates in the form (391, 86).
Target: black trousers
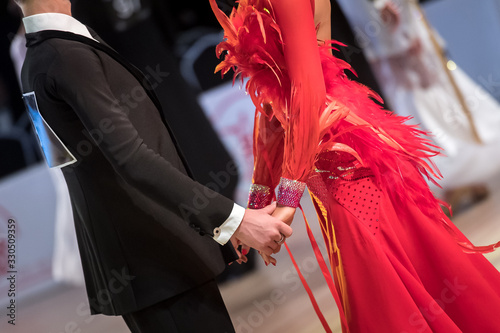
(197, 310)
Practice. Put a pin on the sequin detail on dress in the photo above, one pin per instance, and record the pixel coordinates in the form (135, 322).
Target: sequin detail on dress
(259, 197)
(290, 191)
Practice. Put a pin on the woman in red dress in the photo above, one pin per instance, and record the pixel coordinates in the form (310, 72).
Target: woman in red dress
(399, 264)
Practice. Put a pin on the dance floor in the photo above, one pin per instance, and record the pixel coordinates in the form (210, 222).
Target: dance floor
(269, 300)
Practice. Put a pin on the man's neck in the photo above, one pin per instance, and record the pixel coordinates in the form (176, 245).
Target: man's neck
(41, 7)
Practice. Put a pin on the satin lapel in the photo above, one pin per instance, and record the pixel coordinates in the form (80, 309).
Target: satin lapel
(96, 36)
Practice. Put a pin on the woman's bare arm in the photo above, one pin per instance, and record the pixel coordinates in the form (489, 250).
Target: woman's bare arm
(322, 13)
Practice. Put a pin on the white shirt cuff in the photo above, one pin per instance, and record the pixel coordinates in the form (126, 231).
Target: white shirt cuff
(223, 233)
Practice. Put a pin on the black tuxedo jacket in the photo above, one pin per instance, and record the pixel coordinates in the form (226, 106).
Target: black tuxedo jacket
(143, 225)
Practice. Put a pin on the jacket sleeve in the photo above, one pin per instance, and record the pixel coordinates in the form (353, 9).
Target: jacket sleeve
(77, 76)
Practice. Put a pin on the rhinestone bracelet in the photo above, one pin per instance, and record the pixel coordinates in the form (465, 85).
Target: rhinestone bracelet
(290, 192)
(259, 197)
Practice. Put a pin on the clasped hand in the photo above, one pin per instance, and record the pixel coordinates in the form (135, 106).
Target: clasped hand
(264, 230)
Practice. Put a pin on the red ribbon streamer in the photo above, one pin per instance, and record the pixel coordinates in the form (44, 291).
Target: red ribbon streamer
(310, 293)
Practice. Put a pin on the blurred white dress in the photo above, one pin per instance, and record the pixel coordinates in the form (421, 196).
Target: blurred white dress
(415, 83)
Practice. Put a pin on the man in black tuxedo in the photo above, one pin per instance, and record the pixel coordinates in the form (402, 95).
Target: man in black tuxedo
(151, 239)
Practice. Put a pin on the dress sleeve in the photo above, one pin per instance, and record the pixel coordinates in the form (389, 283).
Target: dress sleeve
(268, 160)
(307, 96)
(77, 77)
(273, 43)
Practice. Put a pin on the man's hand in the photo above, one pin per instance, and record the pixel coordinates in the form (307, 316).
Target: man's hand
(260, 230)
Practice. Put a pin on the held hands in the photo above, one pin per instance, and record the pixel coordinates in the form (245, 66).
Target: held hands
(390, 15)
(285, 214)
(260, 230)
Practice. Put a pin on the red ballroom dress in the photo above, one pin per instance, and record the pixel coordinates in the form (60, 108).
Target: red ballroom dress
(398, 263)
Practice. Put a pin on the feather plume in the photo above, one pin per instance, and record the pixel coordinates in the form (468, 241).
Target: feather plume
(341, 115)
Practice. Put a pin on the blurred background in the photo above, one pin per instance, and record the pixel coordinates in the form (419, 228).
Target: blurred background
(437, 63)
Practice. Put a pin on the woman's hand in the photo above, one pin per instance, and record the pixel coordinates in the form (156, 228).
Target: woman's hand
(241, 253)
(285, 214)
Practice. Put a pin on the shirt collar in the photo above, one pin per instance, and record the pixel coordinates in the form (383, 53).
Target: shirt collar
(55, 21)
